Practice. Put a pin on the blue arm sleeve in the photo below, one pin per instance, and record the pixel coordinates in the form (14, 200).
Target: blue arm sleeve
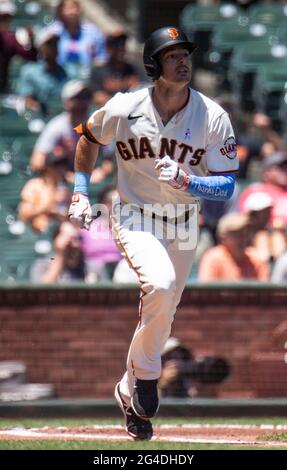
(82, 181)
(217, 187)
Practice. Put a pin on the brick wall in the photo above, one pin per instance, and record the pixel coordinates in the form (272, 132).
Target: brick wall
(77, 338)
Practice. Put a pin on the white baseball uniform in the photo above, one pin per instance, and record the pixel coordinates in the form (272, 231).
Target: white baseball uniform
(201, 139)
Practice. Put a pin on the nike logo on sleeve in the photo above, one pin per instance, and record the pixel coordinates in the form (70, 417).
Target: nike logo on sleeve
(134, 117)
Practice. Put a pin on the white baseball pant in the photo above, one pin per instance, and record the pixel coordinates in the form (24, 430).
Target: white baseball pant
(163, 266)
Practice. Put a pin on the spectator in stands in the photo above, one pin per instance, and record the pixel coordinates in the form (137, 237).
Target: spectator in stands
(9, 46)
(116, 74)
(68, 262)
(210, 214)
(60, 130)
(279, 272)
(44, 200)
(274, 184)
(270, 241)
(183, 374)
(81, 42)
(255, 135)
(273, 142)
(233, 259)
(41, 81)
(100, 250)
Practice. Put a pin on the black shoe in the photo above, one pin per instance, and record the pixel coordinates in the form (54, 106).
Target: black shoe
(145, 401)
(138, 428)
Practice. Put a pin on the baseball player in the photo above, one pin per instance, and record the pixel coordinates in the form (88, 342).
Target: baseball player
(174, 145)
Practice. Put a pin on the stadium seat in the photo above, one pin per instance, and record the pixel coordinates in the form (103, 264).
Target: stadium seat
(13, 127)
(18, 249)
(5, 272)
(227, 35)
(225, 38)
(198, 21)
(269, 13)
(31, 13)
(205, 17)
(246, 61)
(17, 256)
(11, 186)
(7, 216)
(270, 83)
(14, 72)
(23, 147)
(281, 32)
(17, 139)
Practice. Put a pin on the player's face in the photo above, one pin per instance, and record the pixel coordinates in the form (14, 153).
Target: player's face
(176, 65)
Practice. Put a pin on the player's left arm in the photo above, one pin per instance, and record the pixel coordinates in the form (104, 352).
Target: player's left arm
(221, 160)
(217, 187)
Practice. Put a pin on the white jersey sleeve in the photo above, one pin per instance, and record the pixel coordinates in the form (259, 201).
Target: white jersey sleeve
(221, 156)
(102, 124)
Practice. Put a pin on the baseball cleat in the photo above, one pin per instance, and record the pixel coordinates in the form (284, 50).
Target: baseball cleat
(139, 429)
(145, 402)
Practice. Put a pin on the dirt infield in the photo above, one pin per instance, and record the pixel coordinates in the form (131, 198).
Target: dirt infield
(194, 433)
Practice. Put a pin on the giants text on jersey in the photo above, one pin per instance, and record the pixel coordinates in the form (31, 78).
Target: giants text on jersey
(199, 137)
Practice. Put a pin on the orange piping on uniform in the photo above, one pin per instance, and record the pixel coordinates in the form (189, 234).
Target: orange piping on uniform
(79, 128)
(137, 273)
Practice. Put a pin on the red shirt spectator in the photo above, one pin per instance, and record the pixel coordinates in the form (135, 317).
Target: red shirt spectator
(233, 259)
(9, 46)
(274, 184)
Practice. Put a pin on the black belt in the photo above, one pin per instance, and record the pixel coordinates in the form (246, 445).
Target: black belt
(164, 218)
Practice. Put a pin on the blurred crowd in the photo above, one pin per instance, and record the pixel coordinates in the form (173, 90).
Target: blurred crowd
(70, 65)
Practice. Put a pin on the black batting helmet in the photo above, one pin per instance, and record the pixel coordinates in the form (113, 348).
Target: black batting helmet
(161, 39)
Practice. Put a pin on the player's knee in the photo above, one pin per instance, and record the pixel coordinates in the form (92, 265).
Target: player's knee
(165, 289)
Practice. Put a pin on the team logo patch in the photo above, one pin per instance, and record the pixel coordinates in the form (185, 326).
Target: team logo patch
(229, 149)
(173, 33)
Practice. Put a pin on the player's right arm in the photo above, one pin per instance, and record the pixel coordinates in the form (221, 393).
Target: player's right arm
(86, 155)
(98, 130)
(80, 211)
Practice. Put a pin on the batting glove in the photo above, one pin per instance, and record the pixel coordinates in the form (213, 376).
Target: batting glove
(171, 173)
(80, 212)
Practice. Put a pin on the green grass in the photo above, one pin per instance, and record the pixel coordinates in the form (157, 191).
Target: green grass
(95, 445)
(29, 423)
(282, 437)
